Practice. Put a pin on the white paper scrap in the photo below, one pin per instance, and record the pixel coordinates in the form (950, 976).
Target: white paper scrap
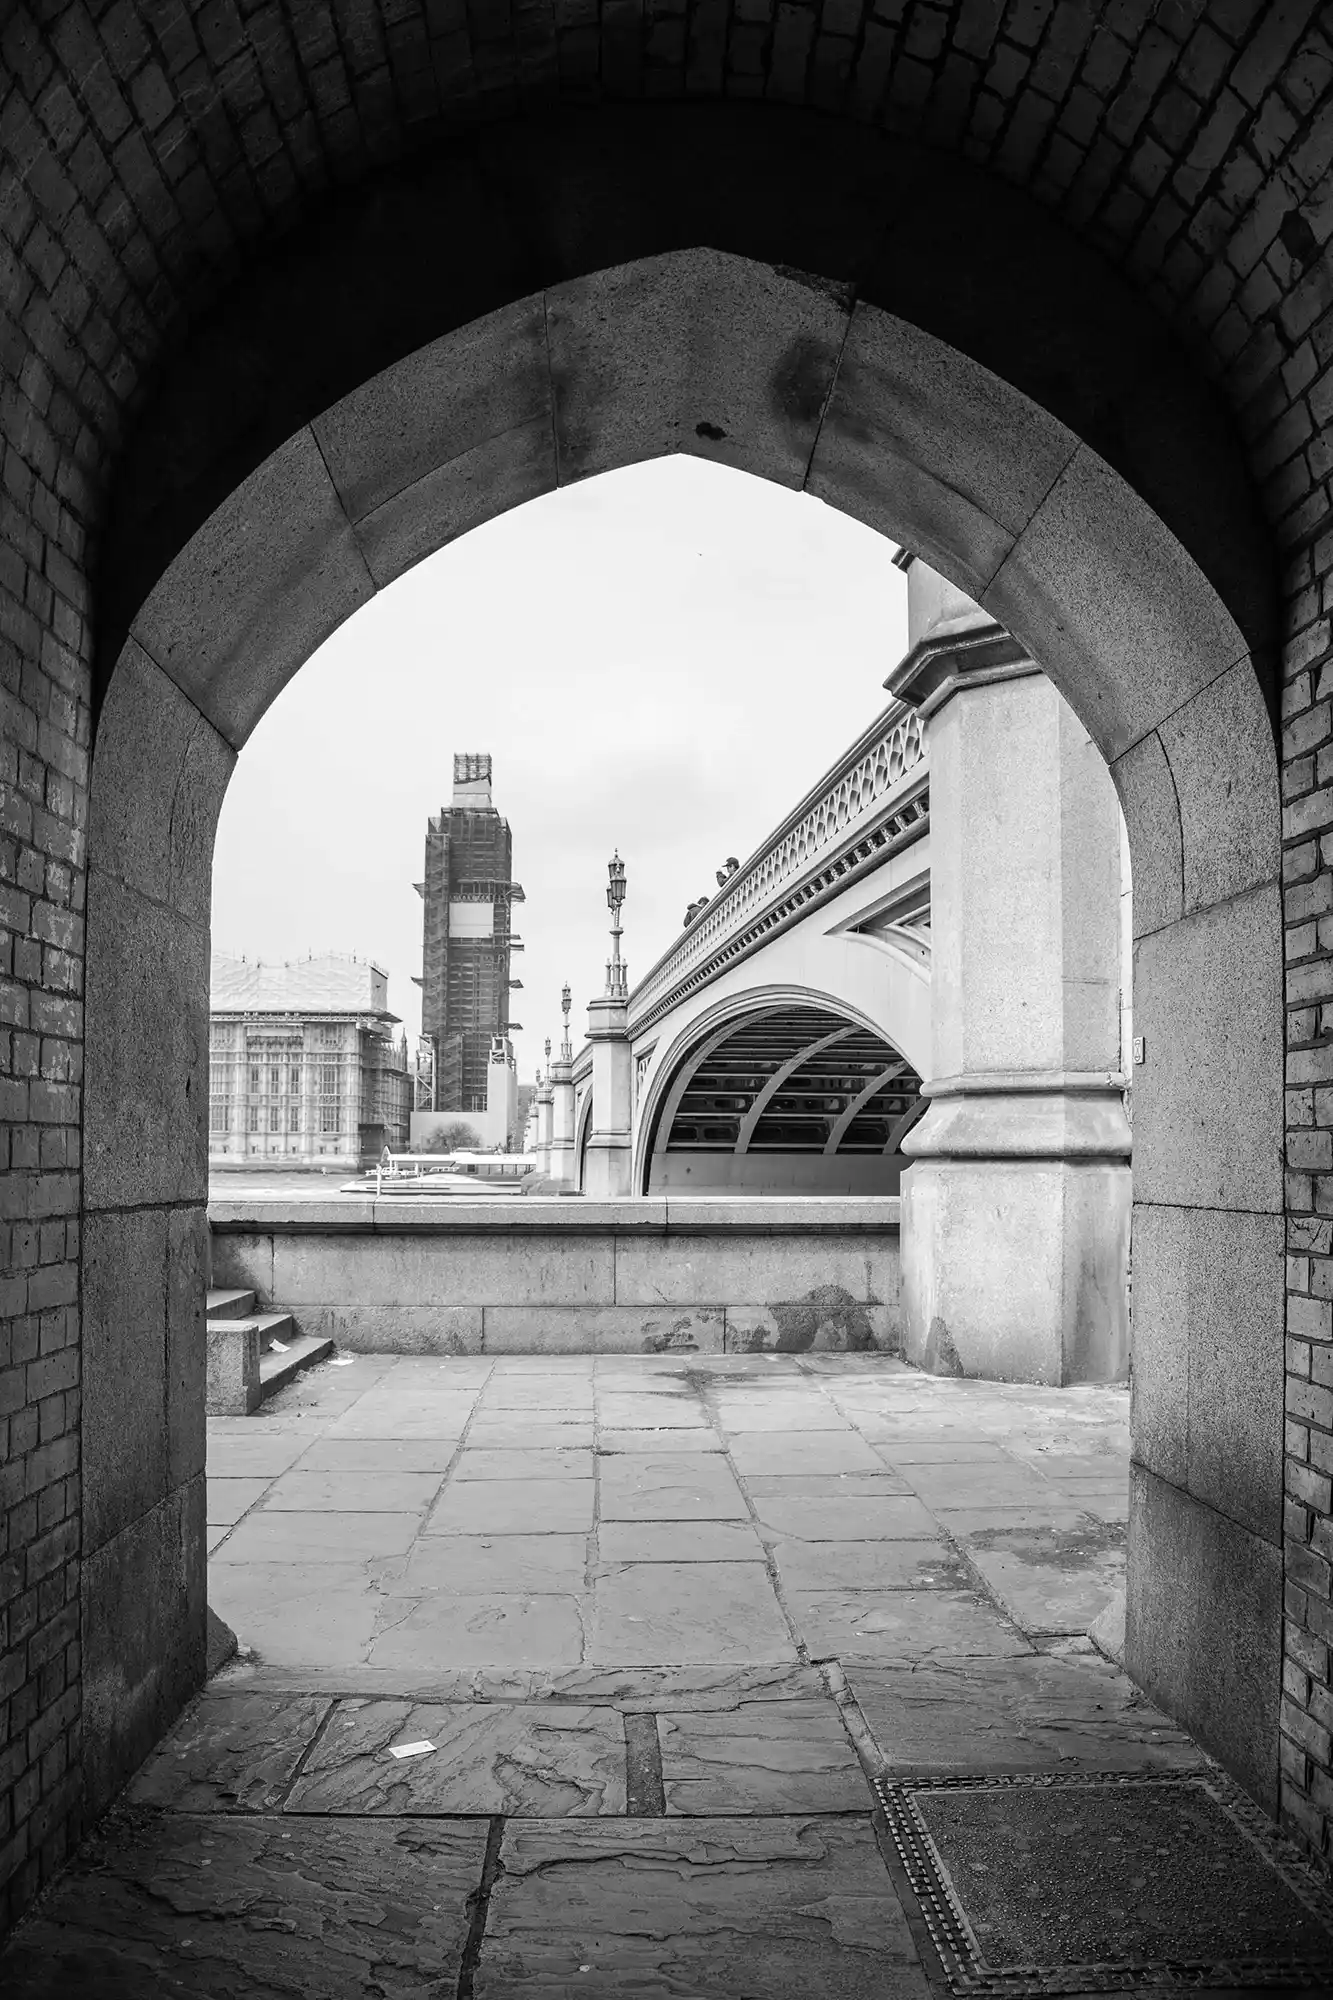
(422, 1749)
(278, 1346)
(341, 1360)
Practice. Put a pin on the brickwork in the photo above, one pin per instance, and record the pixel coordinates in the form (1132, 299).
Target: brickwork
(148, 147)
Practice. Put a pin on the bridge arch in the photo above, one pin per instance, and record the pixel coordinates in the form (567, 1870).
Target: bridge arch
(789, 377)
(765, 1040)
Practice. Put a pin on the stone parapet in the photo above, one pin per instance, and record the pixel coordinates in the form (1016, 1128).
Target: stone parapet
(553, 1276)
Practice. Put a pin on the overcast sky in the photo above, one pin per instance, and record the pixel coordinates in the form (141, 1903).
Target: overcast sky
(663, 659)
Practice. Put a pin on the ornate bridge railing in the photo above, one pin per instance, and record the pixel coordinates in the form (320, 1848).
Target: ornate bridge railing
(875, 799)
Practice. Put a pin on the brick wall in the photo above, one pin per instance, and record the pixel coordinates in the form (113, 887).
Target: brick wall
(148, 147)
(44, 737)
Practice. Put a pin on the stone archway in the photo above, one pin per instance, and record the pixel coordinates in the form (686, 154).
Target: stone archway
(675, 1059)
(784, 376)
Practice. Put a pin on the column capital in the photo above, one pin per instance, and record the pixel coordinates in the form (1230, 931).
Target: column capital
(970, 650)
(608, 1017)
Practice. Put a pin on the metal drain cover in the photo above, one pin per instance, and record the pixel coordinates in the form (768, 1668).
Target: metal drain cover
(1106, 1883)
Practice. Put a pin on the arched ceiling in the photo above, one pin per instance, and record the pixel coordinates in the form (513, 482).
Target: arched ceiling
(157, 147)
(788, 1080)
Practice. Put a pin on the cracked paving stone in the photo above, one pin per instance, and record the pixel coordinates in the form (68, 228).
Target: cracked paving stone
(495, 1628)
(231, 1752)
(542, 1761)
(649, 1613)
(899, 1624)
(794, 1908)
(760, 1757)
(167, 1906)
(1032, 1713)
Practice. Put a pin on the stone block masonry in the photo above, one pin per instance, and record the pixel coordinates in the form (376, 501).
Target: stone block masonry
(540, 1276)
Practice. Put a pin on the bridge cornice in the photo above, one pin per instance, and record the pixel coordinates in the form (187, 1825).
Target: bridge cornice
(872, 802)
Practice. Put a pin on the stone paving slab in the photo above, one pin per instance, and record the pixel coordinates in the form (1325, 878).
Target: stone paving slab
(228, 1499)
(762, 1757)
(297, 1613)
(1051, 1580)
(392, 1422)
(261, 1453)
(787, 1452)
(855, 1518)
(285, 1536)
(487, 1628)
(483, 1462)
(352, 1455)
(636, 1412)
(651, 1612)
(678, 1541)
(217, 1908)
(1033, 1713)
(899, 1624)
(231, 1752)
(660, 1442)
(514, 1507)
(675, 1488)
(790, 1909)
(803, 1415)
(547, 1761)
(380, 1492)
(635, 1690)
(869, 1565)
(989, 1483)
(877, 1485)
(494, 1563)
(510, 1430)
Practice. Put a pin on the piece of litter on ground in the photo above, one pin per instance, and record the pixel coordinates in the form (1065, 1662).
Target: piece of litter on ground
(278, 1346)
(341, 1360)
(421, 1749)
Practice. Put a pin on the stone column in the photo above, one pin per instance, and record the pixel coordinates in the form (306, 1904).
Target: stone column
(563, 1166)
(1015, 1210)
(610, 1142)
(544, 1125)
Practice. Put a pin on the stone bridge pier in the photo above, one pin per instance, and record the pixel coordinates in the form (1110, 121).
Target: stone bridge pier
(1016, 1207)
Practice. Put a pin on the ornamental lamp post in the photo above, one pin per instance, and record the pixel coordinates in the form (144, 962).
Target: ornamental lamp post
(566, 1002)
(616, 971)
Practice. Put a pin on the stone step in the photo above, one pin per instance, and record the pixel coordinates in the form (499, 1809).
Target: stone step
(274, 1326)
(276, 1370)
(229, 1304)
